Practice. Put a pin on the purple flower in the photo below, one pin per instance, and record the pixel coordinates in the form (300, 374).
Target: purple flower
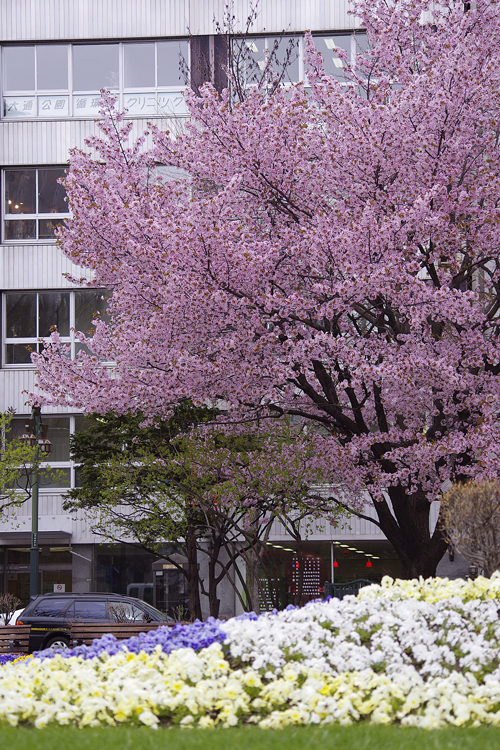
(196, 635)
(6, 658)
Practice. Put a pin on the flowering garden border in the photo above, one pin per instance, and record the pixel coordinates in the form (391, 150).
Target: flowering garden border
(415, 653)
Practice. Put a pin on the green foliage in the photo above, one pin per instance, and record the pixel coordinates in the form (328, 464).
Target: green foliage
(125, 463)
(186, 480)
(183, 471)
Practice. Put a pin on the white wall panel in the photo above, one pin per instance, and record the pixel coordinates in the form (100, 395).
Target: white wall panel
(26, 20)
(297, 15)
(41, 142)
(49, 141)
(14, 388)
(51, 518)
(81, 533)
(36, 267)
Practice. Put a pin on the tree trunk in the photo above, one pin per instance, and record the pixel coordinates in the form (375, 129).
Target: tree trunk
(213, 599)
(407, 529)
(193, 576)
(252, 579)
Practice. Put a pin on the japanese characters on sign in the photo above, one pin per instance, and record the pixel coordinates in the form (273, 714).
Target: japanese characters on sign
(53, 106)
(19, 106)
(164, 103)
(87, 105)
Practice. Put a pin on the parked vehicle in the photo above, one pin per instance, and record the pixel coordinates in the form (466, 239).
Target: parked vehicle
(51, 615)
(14, 617)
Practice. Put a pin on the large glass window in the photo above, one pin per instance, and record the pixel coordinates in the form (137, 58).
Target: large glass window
(269, 57)
(29, 317)
(61, 80)
(34, 203)
(87, 610)
(51, 67)
(139, 65)
(19, 68)
(95, 67)
(51, 608)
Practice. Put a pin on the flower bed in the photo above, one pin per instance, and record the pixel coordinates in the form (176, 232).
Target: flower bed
(418, 653)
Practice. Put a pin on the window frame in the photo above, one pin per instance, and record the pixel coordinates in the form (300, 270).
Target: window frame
(173, 93)
(37, 216)
(34, 341)
(353, 34)
(67, 465)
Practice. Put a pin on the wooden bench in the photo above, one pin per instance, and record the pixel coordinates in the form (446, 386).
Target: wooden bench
(14, 639)
(85, 632)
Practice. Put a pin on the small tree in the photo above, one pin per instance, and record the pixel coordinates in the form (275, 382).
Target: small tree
(471, 521)
(8, 605)
(214, 494)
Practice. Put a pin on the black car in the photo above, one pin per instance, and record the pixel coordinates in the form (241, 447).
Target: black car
(51, 615)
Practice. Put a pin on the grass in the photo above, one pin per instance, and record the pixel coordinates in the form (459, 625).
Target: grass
(358, 737)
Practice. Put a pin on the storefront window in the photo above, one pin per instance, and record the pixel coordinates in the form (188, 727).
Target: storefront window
(55, 570)
(296, 574)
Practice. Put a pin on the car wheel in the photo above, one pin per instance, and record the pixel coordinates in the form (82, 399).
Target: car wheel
(58, 643)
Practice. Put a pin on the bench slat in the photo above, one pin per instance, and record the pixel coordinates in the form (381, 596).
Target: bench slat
(14, 639)
(85, 633)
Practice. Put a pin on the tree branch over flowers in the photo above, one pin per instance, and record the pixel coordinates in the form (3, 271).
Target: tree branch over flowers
(343, 264)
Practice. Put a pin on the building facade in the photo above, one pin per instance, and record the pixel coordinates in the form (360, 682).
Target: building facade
(56, 55)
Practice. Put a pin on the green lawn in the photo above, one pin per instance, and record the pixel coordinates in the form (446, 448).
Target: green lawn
(359, 737)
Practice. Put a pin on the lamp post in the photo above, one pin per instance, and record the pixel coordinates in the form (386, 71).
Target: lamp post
(35, 438)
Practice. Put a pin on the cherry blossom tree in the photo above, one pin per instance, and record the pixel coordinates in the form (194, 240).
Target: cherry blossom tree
(330, 255)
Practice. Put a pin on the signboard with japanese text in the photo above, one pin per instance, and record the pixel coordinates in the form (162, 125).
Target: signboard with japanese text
(145, 104)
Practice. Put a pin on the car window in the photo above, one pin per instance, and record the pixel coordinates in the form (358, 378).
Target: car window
(87, 609)
(154, 613)
(127, 612)
(50, 608)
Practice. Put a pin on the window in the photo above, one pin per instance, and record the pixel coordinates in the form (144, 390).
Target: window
(34, 203)
(86, 609)
(50, 608)
(95, 67)
(277, 54)
(64, 80)
(251, 55)
(127, 612)
(31, 316)
(329, 45)
(59, 430)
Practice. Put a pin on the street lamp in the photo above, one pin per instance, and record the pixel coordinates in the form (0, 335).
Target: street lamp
(36, 438)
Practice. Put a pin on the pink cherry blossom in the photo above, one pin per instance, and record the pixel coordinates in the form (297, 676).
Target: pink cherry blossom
(332, 255)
